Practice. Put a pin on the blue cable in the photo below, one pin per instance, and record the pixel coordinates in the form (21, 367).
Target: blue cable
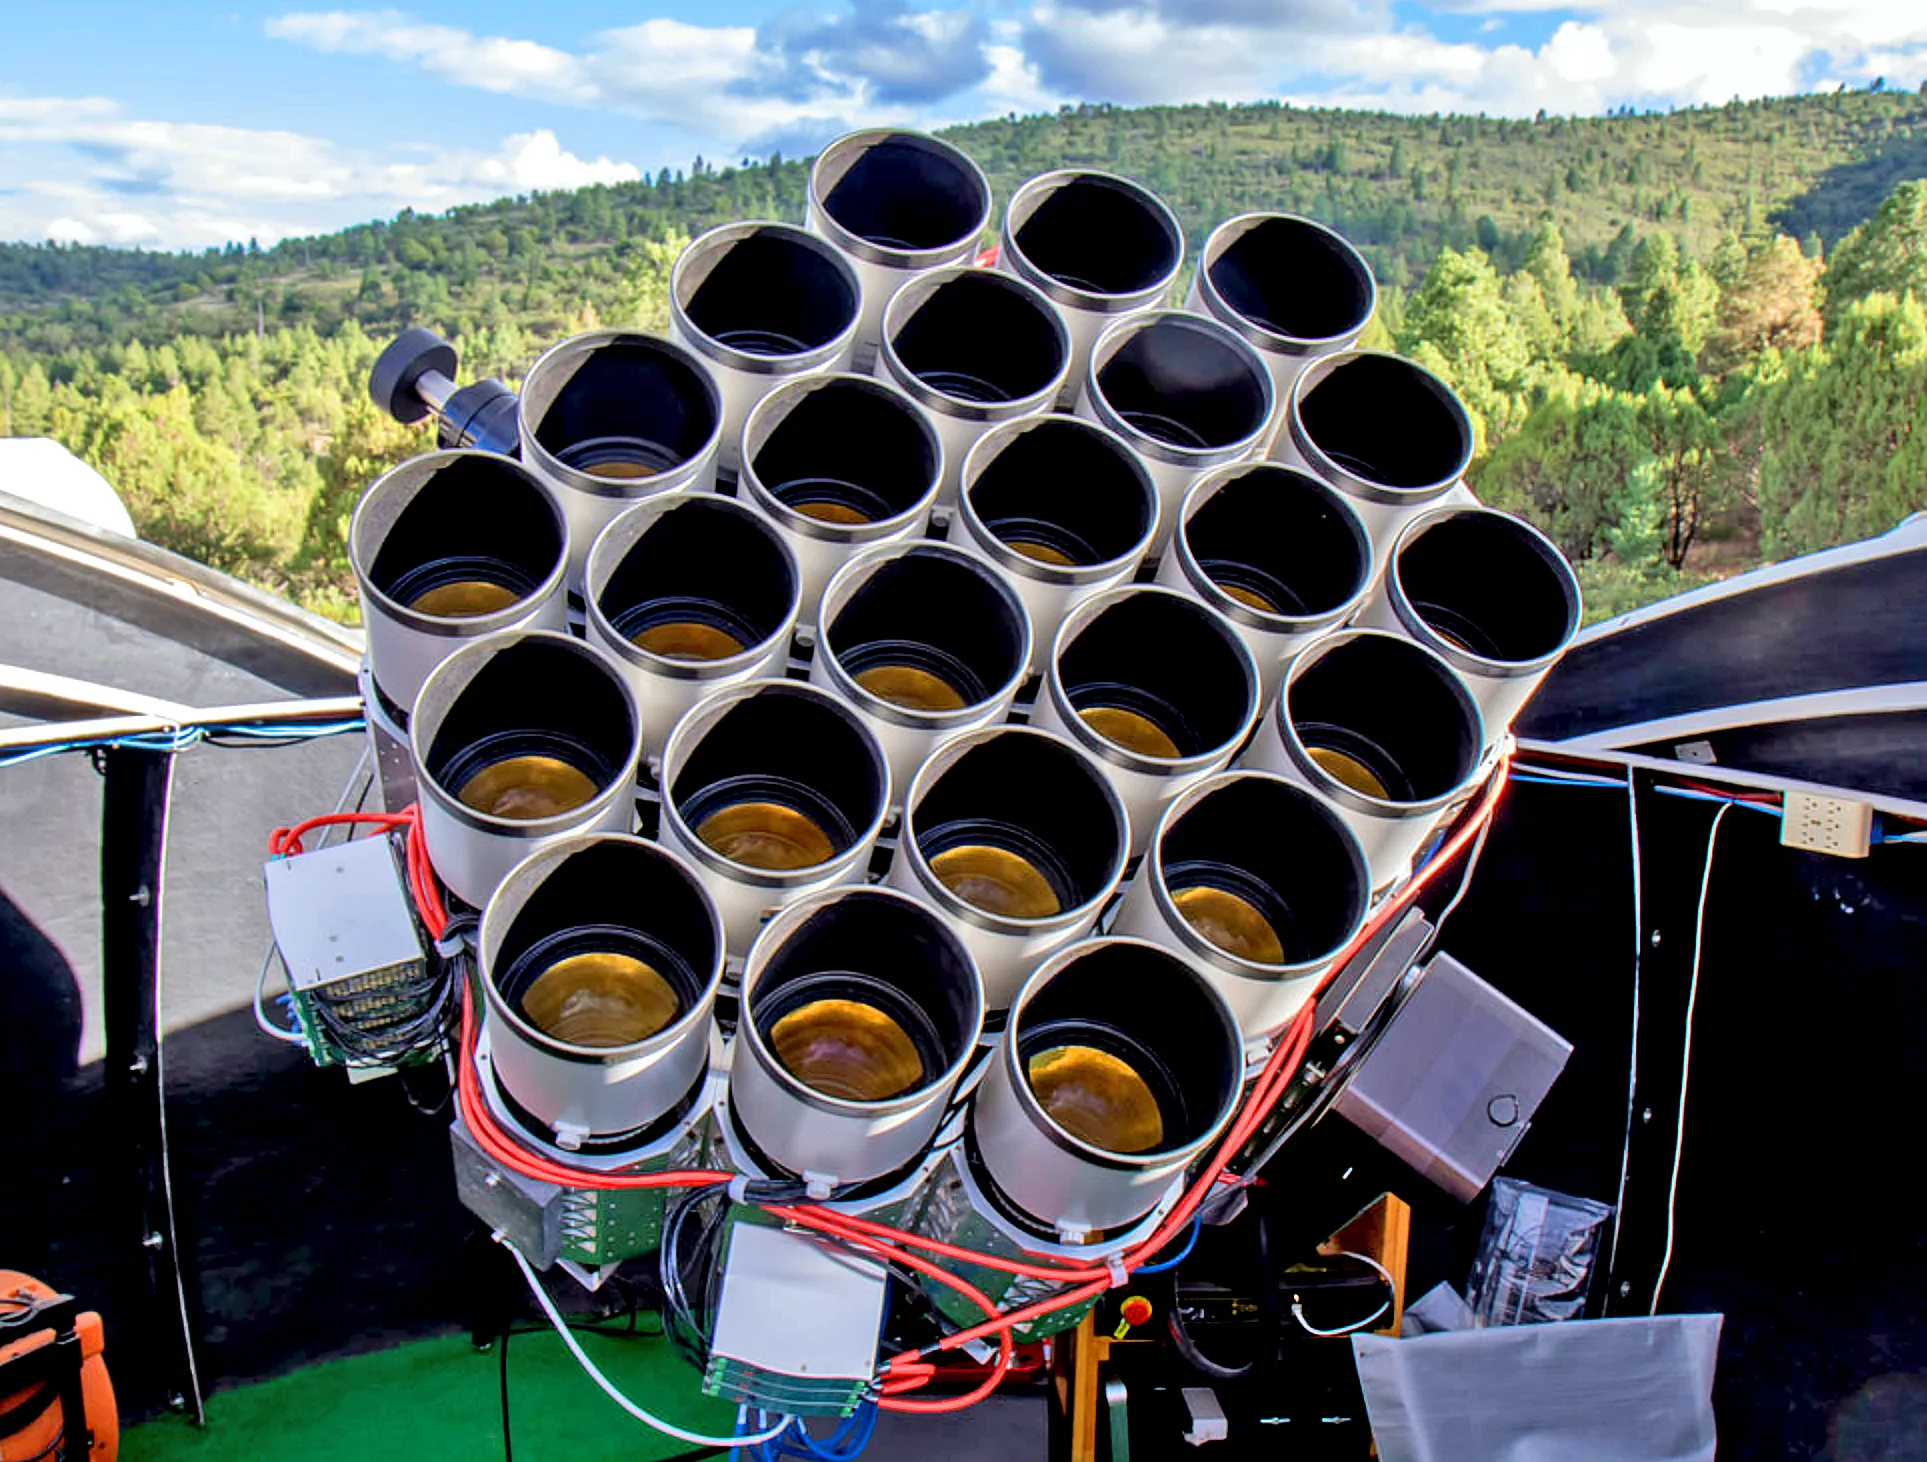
(185, 737)
(1190, 1243)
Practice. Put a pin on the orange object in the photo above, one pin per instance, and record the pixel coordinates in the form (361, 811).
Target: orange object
(1135, 1310)
(21, 1297)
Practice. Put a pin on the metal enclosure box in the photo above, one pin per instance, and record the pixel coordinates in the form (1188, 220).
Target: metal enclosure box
(1453, 1083)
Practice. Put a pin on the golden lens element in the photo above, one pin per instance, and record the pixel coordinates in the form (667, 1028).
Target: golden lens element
(1131, 731)
(687, 640)
(1096, 1096)
(1041, 552)
(527, 787)
(1350, 771)
(464, 599)
(1251, 598)
(620, 470)
(996, 881)
(1231, 923)
(913, 689)
(827, 512)
(844, 1048)
(600, 999)
(766, 835)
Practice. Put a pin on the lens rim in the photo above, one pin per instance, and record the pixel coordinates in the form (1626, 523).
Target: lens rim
(703, 718)
(1294, 480)
(443, 690)
(389, 496)
(1195, 943)
(1265, 337)
(1102, 747)
(718, 242)
(1144, 443)
(554, 360)
(617, 541)
(1031, 195)
(998, 439)
(947, 756)
(1354, 483)
(1329, 786)
(1461, 659)
(1009, 1055)
(850, 579)
(787, 923)
(834, 162)
(513, 895)
(919, 292)
(771, 411)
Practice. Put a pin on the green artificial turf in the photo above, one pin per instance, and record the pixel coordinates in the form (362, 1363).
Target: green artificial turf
(439, 1399)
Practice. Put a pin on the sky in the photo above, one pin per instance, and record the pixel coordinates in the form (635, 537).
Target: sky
(187, 126)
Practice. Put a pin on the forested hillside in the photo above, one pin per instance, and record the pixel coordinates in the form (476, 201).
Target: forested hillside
(1680, 352)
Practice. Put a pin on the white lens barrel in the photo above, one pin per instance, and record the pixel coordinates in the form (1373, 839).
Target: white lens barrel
(1292, 287)
(1143, 1005)
(1244, 844)
(441, 520)
(1383, 730)
(761, 303)
(839, 463)
(1148, 654)
(877, 948)
(600, 894)
(1276, 552)
(1187, 393)
(904, 619)
(1011, 790)
(1487, 592)
(781, 744)
(699, 561)
(1062, 507)
(1101, 247)
(973, 348)
(896, 204)
(520, 693)
(615, 415)
(1388, 434)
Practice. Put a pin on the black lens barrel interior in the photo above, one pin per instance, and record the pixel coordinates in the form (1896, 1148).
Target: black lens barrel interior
(982, 337)
(1295, 279)
(1164, 658)
(1394, 708)
(703, 562)
(939, 613)
(903, 193)
(629, 401)
(1490, 585)
(846, 442)
(1278, 535)
(1064, 486)
(791, 749)
(474, 518)
(1185, 385)
(771, 294)
(535, 698)
(1094, 235)
(1387, 421)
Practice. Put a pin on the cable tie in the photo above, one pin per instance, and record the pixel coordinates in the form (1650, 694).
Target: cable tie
(1120, 1276)
(739, 1189)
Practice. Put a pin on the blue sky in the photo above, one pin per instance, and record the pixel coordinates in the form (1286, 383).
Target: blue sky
(185, 126)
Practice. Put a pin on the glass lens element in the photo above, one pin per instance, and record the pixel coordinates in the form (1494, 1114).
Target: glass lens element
(829, 512)
(766, 835)
(465, 599)
(600, 999)
(913, 689)
(688, 640)
(1096, 1096)
(1041, 552)
(847, 1049)
(1131, 731)
(996, 881)
(1350, 771)
(527, 787)
(1231, 923)
(621, 470)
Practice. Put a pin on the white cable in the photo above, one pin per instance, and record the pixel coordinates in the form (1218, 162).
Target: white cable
(1686, 1053)
(668, 1429)
(1391, 1293)
(1632, 1063)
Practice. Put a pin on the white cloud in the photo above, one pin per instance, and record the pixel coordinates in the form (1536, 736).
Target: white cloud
(80, 170)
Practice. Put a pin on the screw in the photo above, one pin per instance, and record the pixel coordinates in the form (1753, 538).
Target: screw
(176, 1401)
(1656, 939)
(1625, 1288)
(493, 1180)
(1314, 1073)
(1646, 1115)
(142, 896)
(152, 1240)
(137, 1067)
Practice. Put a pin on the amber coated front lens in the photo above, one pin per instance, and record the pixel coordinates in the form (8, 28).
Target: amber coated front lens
(847, 1049)
(1096, 1096)
(1349, 771)
(621, 470)
(996, 881)
(827, 512)
(527, 787)
(1251, 598)
(913, 689)
(1231, 923)
(600, 999)
(688, 640)
(464, 599)
(1131, 731)
(766, 835)
(1040, 552)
